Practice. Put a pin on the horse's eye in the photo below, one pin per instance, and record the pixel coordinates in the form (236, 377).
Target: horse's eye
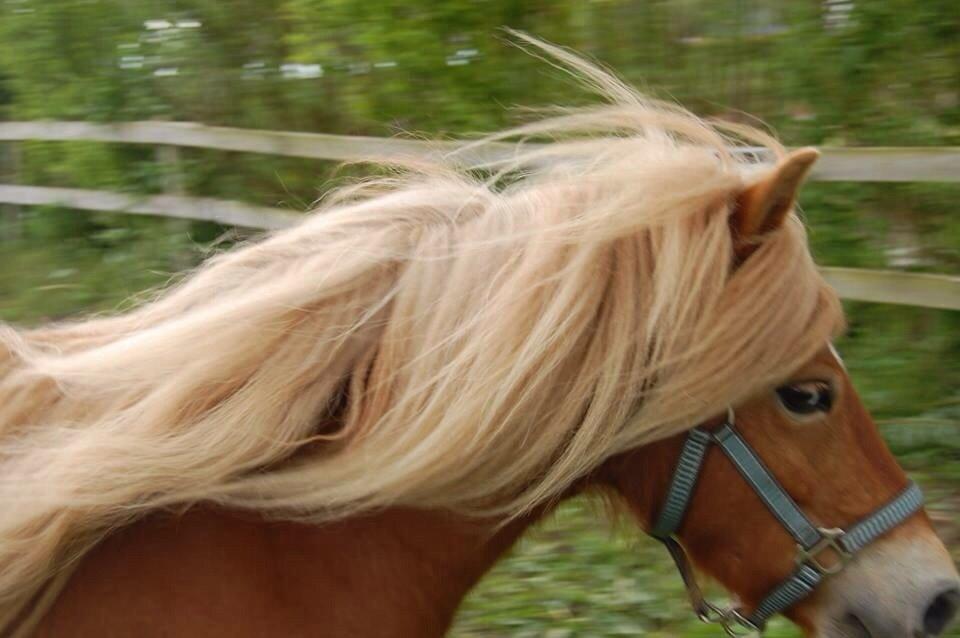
(806, 397)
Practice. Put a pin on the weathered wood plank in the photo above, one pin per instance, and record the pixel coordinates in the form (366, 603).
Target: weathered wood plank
(914, 289)
(202, 208)
(290, 144)
(905, 288)
(10, 162)
(933, 164)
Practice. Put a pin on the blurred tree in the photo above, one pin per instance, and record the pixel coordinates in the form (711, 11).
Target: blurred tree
(847, 72)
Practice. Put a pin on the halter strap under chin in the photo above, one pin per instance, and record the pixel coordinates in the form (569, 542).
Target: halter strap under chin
(812, 541)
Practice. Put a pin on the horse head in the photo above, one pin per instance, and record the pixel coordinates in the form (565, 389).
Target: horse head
(829, 529)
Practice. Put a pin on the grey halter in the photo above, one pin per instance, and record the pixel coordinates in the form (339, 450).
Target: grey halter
(811, 540)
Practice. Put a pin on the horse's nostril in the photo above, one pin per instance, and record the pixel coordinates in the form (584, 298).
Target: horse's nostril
(941, 611)
(854, 627)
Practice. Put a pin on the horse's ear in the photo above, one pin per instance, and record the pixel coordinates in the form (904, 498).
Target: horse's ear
(763, 207)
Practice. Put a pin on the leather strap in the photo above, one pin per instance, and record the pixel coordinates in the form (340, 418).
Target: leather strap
(884, 519)
(682, 484)
(796, 587)
(767, 488)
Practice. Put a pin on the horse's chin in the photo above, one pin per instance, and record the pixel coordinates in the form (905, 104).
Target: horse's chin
(848, 627)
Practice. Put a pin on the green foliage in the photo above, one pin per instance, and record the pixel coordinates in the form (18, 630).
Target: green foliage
(63, 261)
(883, 73)
(879, 73)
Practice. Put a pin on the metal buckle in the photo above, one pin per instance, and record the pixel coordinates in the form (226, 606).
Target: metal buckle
(734, 624)
(830, 539)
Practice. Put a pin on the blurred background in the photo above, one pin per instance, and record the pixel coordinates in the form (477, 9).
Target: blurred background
(838, 73)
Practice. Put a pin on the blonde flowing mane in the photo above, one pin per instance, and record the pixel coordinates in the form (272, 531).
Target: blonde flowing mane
(443, 338)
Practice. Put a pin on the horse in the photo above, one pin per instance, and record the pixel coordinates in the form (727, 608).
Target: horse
(337, 429)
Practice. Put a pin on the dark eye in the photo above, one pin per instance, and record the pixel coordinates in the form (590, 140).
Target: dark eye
(806, 397)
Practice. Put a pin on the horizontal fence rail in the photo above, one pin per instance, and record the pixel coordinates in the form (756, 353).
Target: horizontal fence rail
(934, 164)
(891, 286)
(201, 208)
(321, 146)
(837, 164)
(857, 284)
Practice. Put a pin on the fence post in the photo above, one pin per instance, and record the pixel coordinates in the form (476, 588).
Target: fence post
(10, 162)
(168, 158)
(172, 179)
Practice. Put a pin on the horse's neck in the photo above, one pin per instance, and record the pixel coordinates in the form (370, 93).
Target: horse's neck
(396, 573)
(414, 566)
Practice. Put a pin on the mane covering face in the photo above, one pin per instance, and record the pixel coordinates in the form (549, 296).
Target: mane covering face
(433, 339)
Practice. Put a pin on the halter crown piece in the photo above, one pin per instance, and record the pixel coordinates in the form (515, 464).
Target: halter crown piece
(812, 541)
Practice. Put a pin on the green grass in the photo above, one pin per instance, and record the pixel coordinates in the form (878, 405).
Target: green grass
(576, 576)
(60, 264)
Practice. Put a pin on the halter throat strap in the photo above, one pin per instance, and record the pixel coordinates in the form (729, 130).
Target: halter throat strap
(812, 542)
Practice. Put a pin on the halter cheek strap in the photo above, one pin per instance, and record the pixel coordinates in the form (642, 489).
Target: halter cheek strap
(812, 541)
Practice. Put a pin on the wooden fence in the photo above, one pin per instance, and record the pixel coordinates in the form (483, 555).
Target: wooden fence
(837, 164)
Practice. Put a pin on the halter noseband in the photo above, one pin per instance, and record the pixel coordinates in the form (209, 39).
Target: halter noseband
(812, 541)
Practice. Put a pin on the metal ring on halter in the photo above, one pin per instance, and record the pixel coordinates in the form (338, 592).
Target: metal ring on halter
(734, 623)
(832, 541)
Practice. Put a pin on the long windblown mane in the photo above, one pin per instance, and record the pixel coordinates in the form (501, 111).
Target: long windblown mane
(435, 339)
